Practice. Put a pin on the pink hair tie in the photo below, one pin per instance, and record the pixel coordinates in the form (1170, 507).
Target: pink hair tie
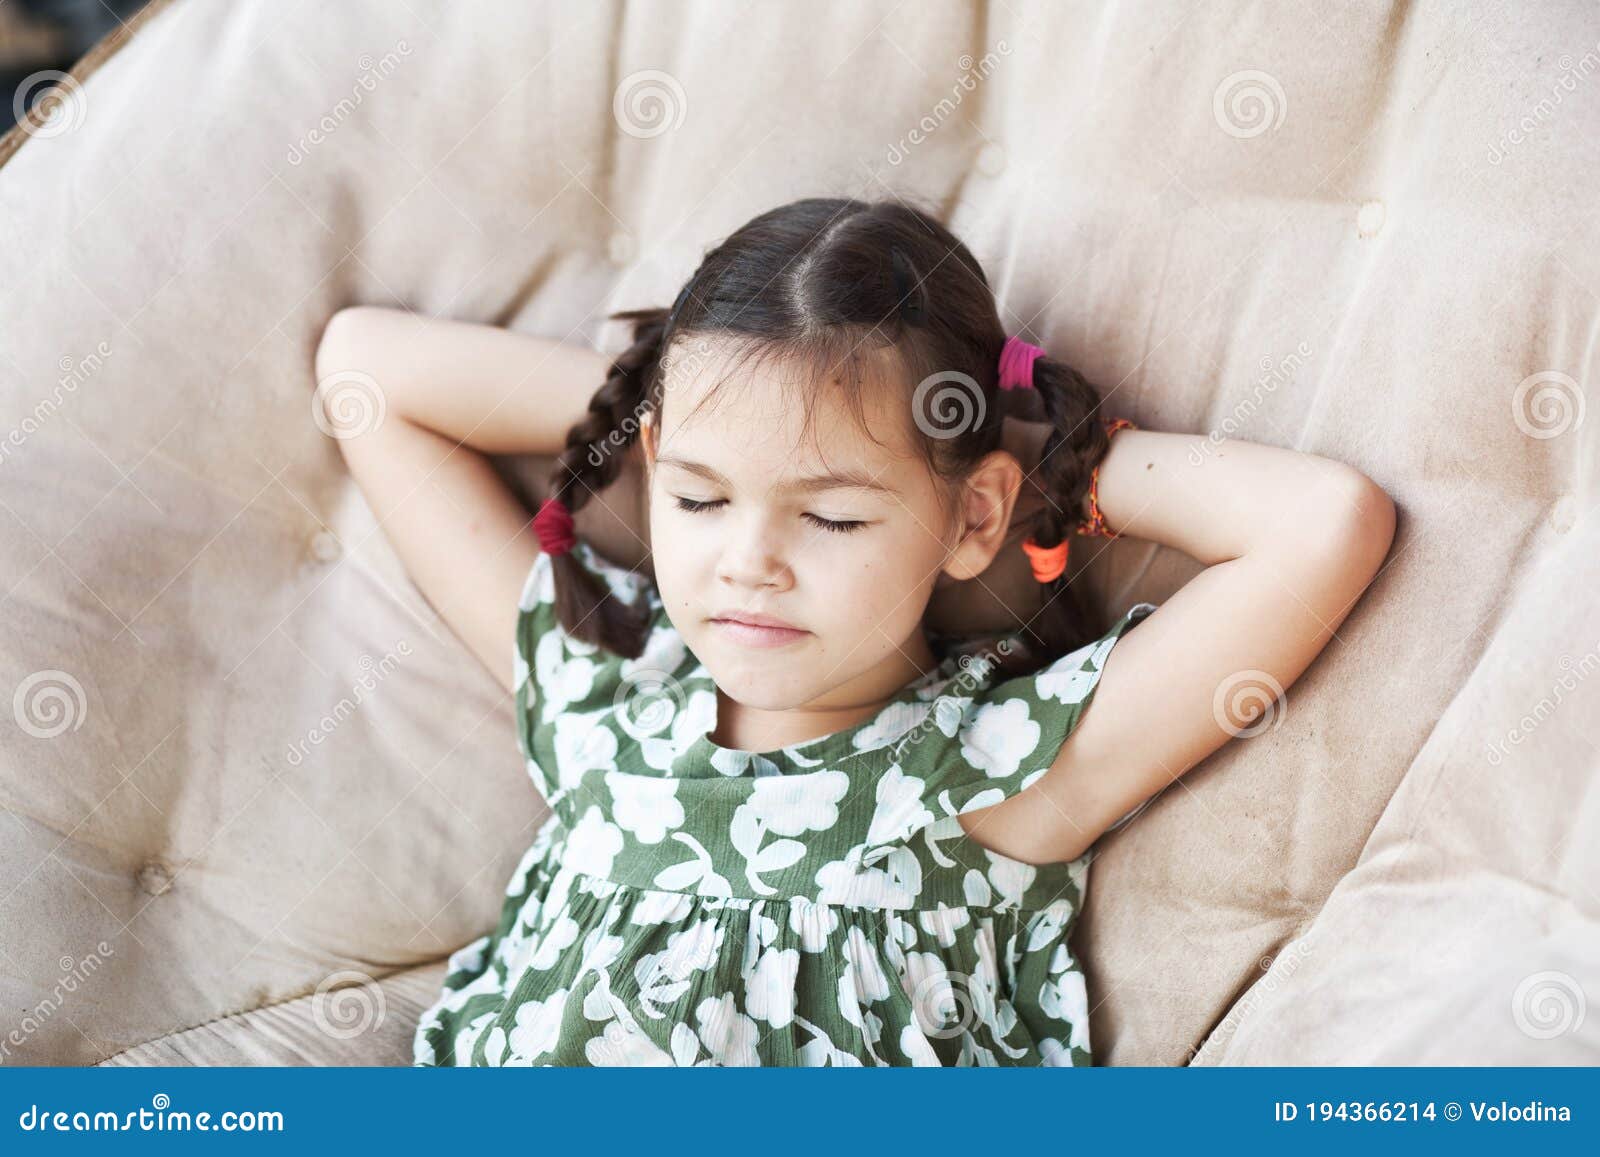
(553, 525)
(1016, 364)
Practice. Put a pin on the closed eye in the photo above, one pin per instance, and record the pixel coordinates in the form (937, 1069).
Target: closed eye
(835, 526)
(838, 527)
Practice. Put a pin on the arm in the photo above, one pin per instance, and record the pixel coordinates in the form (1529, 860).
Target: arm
(1291, 540)
(454, 393)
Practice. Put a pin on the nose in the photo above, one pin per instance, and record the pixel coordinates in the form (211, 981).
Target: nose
(753, 557)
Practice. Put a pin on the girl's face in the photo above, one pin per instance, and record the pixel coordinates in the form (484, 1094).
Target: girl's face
(842, 544)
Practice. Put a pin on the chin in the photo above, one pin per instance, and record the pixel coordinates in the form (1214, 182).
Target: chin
(764, 680)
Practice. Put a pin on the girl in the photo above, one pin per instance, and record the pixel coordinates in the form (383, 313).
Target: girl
(791, 824)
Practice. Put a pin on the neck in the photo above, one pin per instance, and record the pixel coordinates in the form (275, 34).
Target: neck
(743, 728)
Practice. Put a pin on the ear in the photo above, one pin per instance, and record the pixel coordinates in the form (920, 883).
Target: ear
(988, 499)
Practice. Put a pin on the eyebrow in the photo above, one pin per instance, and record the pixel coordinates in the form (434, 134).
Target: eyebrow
(810, 483)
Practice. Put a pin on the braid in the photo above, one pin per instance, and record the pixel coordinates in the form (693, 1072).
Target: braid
(1076, 444)
(592, 460)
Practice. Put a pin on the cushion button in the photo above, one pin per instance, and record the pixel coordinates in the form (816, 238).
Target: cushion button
(325, 545)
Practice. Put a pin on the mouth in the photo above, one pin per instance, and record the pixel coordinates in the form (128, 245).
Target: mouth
(758, 630)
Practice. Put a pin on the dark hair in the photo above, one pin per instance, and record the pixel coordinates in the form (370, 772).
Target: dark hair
(850, 289)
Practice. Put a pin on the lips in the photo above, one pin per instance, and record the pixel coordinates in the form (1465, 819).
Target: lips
(751, 619)
(750, 629)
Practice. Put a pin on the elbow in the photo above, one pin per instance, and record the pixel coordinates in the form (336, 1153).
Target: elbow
(1360, 521)
(338, 338)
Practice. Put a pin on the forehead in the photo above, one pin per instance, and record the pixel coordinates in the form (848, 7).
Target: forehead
(744, 411)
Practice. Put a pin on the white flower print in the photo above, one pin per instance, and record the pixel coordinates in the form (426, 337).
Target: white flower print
(1067, 998)
(660, 908)
(1010, 878)
(621, 1044)
(697, 716)
(999, 738)
(553, 943)
(1044, 926)
(915, 1045)
(862, 981)
(664, 651)
(791, 805)
(645, 805)
(538, 1027)
(520, 671)
(813, 923)
(943, 922)
(593, 844)
(986, 798)
(747, 832)
(900, 811)
(769, 989)
(730, 1036)
(1054, 1054)
(737, 764)
(895, 885)
(700, 872)
(890, 724)
(582, 745)
(468, 1040)
(1065, 681)
(663, 976)
(819, 1052)
(763, 931)
(563, 679)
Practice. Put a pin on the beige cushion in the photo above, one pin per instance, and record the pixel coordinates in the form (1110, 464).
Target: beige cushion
(1369, 262)
(351, 1022)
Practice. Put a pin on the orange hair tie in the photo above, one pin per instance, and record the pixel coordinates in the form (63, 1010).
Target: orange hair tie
(1050, 563)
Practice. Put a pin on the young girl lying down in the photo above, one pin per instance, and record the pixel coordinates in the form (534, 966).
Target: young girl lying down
(790, 822)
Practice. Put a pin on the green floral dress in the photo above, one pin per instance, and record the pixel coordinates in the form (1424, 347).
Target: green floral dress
(820, 904)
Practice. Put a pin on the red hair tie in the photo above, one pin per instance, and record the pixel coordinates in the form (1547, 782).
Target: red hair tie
(553, 525)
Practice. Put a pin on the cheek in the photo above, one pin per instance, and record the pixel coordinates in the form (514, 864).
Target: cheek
(877, 586)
